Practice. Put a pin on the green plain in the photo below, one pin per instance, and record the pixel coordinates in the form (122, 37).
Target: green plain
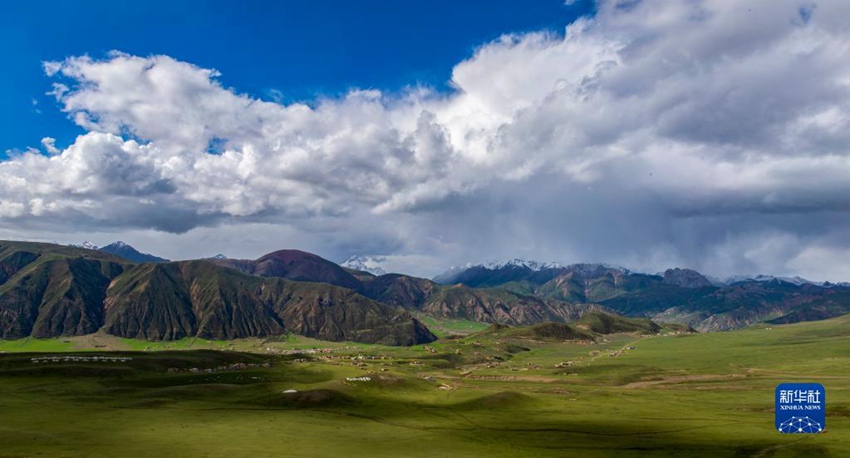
(482, 394)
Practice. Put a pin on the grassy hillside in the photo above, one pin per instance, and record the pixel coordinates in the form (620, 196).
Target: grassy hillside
(548, 331)
(591, 327)
(604, 323)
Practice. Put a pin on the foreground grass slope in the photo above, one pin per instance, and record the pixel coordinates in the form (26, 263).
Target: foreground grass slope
(481, 395)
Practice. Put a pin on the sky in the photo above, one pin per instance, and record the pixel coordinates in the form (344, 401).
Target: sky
(711, 135)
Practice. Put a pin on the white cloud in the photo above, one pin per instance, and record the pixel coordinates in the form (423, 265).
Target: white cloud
(655, 132)
(49, 145)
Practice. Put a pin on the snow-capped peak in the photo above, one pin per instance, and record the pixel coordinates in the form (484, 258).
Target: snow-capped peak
(582, 270)
(86, 245)
(219, 256)
(364, 264)
(453, 271)
(536, 266)
(533, 265)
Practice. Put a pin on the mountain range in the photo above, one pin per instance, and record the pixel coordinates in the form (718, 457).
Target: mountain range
(677, 295)
(49, 290)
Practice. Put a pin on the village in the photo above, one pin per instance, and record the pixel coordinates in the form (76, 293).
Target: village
(79, 359)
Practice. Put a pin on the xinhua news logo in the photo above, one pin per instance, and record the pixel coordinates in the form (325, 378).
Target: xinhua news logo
(800, 408)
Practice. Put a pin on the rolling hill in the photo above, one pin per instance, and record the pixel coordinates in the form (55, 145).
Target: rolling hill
(590, 327)
(295, 265)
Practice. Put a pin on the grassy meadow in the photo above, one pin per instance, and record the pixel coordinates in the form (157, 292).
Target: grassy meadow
(484, 394)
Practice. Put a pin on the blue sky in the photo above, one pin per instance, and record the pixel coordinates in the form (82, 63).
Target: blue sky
(302, 49)
(707, 134)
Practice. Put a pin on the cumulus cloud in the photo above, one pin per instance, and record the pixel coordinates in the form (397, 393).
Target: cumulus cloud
(706, 134)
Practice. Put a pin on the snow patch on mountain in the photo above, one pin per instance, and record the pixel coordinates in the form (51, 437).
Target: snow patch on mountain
(365, 264)
(521, 263)
(536, 266)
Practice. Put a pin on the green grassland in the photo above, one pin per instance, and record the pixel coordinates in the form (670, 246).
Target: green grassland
(490, 393)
